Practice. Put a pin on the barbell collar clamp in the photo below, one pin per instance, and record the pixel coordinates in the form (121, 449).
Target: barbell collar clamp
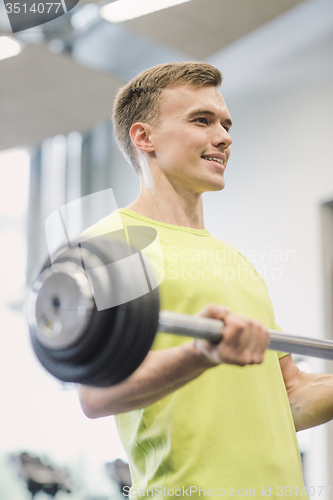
(60, 305)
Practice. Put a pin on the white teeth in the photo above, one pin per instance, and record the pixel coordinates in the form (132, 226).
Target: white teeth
(212, 158)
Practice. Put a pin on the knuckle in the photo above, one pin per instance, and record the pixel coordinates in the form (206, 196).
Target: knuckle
(239, 359)
(227, 355)
(261, 358)
(257, 325)
(246, 358)
(207, 311)
(237, 325)
(258, 358)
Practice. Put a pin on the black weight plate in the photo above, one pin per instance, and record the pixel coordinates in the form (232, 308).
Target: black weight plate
(92, 338)
(110, 366)
(145, 326)
(116, 340)
(120, 360)
(65, 255)
(137, 338)
(135, 333)
(68, 364)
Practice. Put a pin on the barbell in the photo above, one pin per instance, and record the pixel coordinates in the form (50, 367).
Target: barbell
(77, 341)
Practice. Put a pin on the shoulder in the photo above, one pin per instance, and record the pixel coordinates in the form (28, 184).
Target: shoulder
(115, 221)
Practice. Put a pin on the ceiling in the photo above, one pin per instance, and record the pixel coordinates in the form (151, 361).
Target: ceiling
(201, 27)
(65, 79)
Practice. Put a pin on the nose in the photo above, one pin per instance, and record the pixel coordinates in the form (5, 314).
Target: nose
(221, 137)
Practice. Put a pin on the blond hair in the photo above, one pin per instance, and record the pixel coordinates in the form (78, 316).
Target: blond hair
(139, 100)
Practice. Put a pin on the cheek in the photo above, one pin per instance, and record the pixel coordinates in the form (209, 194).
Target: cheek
(180, 147)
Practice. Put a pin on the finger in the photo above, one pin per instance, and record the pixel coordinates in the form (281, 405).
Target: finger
(245, 341)
(215, 311)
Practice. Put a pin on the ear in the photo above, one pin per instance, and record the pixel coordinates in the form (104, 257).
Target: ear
(141, 137)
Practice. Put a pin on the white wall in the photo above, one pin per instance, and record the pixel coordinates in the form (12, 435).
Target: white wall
(278, 87)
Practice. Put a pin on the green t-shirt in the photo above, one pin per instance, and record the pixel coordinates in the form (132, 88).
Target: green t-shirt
(229, 432)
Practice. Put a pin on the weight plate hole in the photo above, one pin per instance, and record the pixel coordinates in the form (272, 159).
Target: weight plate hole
(55, 301)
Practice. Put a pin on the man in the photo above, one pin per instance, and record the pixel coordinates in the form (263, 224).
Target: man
(197, 418)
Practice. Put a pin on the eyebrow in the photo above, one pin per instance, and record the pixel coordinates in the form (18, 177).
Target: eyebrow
(210, 113)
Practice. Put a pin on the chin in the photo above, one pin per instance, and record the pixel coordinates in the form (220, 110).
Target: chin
(206, 184)
(215, 186)
(218, 188)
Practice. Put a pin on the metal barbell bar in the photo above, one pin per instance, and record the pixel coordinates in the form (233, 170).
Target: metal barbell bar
(210, 329)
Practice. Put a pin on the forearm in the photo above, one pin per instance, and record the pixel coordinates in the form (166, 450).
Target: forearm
(311, 399)
(161, 373)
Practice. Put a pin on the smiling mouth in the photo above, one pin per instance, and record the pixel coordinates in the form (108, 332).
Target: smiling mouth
(214, 159)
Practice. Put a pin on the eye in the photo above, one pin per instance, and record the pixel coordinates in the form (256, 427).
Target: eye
(226, 126)
(201, 119)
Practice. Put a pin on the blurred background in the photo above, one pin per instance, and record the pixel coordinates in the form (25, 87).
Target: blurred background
(57, 85)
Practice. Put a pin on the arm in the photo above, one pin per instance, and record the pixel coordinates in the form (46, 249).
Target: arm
(163, 372)
(310, 395)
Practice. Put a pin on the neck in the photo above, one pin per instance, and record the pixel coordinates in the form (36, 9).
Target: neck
(161, 200)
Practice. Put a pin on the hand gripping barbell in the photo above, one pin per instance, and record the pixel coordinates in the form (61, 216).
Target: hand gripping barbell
(77, 342)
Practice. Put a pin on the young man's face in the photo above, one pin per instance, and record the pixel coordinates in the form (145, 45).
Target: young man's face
(191, 140)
